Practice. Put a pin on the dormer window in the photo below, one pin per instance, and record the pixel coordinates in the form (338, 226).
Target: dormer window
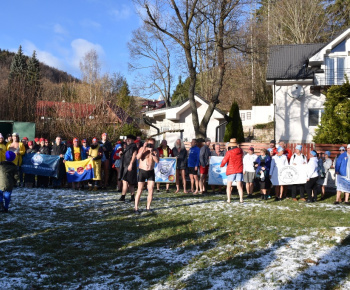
(335, 70)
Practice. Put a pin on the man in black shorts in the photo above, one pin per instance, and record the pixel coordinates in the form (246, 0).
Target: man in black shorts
(147, 157)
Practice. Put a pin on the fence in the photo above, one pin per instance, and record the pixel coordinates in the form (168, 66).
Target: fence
(307, 147)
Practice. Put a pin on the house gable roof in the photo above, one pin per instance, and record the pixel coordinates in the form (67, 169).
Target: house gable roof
(319, 55)
(173, 113)
(288, 62)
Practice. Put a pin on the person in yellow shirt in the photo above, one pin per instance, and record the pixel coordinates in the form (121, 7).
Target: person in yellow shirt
(16, 147)
(95, 153)
(2, 148)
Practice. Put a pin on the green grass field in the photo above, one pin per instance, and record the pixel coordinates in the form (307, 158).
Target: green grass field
(77, 240)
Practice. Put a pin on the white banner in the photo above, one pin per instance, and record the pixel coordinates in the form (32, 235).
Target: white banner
(343, 184)
(289, 174)
(217, 174)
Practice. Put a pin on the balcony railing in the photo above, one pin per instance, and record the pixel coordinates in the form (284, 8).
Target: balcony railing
(331, 77)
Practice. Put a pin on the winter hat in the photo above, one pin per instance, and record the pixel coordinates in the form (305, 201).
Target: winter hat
(131, 137)
(41, 140)
(94, 139)
(25, 138)
(75, 140)
(299, 147)
(15, 134)
(83, 141)
(10, 156)
(251, 149)
(104, 134)
(36, 139)
(273, 141)
(342, 148)
(328, 153)
(30, 143)
(279, 149)
(348, 146)
(313, 153)
(1, 136)
(46, 140)
(137, 141)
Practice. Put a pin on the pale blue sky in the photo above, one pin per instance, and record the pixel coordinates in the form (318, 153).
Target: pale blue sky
(63, 31)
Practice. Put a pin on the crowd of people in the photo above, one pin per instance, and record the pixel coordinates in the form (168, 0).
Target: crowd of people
(132, 162)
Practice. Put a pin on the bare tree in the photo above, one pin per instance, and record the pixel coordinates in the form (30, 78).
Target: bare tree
(90, 68)
(150, 44)
(182, 21)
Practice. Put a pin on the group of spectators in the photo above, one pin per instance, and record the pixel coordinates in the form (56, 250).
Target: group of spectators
(134, 161)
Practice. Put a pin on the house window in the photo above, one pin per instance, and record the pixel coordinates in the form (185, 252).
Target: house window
(242, 116)
(249, 115)
(335, 71)
(315, 117)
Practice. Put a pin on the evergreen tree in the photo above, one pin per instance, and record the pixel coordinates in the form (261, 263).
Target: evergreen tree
(335, 122)
(18, 66)
(33, 72)
(180, 93)
(124, 98)
(16, 104)
(234, 128)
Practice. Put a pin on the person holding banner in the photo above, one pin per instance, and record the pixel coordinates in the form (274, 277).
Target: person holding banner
(75, 153)
(312, 177)
(148, 157)
(298, 159)
(164, 151)
(262, 165)
(29, 179)
(234, 171)
(128, 168)
(342, 170)
(95, 153)
(8, 176)
(180, 152)
(16, 147)
(278, 161)
(249, 171)
(59, 149)
(193, 163)
(43, 181)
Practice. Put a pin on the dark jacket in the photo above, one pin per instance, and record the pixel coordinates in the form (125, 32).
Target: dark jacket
(181, 155)
(107, 149)
(263, 162)
(44, 150)
(34, 150)
(129, 176)
(58, 149)
(8, 175)
(204, 154)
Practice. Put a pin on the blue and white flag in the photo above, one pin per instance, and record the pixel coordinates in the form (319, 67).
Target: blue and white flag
(343, 184)
(217, 174)
(165, 170)
(40, 164)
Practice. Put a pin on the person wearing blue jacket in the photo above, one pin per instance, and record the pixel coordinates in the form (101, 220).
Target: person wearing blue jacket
(342, 170)
(193, 164)
(262, 165)
(75, 153)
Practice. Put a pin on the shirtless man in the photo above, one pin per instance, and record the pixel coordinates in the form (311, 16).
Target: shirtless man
(147, 157)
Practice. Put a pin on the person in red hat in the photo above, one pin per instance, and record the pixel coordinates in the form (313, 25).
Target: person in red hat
(29, 179)
(95, 153)
(107, 150)
(25, 142)
(37, 143)
(43, 181)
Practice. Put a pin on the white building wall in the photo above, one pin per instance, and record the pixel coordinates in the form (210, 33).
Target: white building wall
(258, 115)
(292, 115)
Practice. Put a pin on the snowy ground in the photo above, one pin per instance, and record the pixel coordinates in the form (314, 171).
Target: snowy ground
(70, 239)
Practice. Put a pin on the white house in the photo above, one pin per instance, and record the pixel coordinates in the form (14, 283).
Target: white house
(176, 122)
(257, 115)
(298, 75)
